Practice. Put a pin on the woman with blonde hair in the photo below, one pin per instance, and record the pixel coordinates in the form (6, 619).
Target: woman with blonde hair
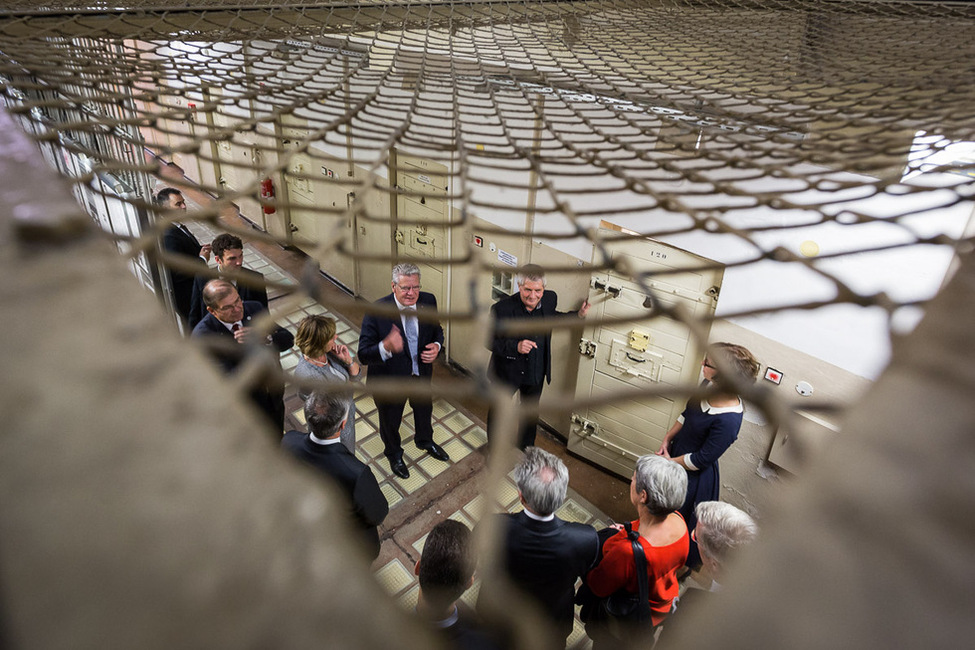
(324, 359)
(708, 427)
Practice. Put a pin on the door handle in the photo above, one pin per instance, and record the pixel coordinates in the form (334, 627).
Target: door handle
(634, 359)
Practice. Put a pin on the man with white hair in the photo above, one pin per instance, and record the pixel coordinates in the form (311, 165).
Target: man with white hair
(721, 531)
(543, 555)
(523, 362)
(403, 346)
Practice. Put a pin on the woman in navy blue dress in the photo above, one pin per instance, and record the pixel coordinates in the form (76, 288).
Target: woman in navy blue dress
(707, 428)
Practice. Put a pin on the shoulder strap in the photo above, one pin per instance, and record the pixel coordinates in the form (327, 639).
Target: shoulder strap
(641, 571)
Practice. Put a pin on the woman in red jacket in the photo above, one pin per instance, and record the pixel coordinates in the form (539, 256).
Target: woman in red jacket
(657, 490)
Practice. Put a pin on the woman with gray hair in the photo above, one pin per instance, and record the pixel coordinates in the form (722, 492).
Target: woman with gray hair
(657, 490)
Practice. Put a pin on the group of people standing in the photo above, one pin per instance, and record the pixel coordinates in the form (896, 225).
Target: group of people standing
(674, 491)
(543, 556)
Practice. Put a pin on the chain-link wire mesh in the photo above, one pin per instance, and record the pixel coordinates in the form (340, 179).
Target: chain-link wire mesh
(816, 155)
(820, 143)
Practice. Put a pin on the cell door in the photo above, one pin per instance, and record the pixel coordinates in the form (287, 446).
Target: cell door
(421, 232)
(372, 240)
(651, 351)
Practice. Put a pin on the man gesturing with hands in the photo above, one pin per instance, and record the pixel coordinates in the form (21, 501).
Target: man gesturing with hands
(403, 346)
(523, 362)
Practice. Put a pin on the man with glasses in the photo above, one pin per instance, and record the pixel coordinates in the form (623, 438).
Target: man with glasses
(403, 346)
(229, 320)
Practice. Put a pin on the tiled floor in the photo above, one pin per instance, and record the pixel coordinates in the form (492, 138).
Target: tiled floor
(435, 490)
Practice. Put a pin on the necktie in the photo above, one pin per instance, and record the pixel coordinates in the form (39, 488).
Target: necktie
(409, 321)
(235, 327)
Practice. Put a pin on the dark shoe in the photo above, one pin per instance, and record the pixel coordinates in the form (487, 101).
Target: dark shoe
(399, 468)
(436, 451)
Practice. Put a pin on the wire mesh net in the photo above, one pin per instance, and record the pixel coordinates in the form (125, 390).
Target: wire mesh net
(802, 170)
(815, 154)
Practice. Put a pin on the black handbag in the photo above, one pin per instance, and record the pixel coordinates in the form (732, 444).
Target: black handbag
(622, 614)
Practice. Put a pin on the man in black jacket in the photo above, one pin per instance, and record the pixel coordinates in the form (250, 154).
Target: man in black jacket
(523, 362)
(178, 239)
(230, 321)
(541, 554)
(445, 571)
(228, 251)
(321, 448)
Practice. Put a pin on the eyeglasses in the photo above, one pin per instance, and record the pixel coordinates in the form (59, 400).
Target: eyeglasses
(707, 364)
(232, 305)
(694, 534)
(412, 289)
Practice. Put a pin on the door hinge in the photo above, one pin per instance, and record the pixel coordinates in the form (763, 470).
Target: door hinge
(587, 348)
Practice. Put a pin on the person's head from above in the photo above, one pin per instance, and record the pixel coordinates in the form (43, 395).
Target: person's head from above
(223, 301)
(543, 480)
(326, 413)
(315, 336)
(531, 285)
(171, 198)
(228, 250)
(446, 566)
(722, 529)
(737, 360)
(658, 486)
(406, 283)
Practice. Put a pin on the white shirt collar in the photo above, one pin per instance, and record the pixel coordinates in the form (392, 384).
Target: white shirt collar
(401, 306)
(715, 410)
(447, 622)
(230, 326)
(319, 441)
(532, 515)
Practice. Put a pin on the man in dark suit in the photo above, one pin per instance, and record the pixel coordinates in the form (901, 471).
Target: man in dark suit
(541, 554)
(178, 239)
(321, 448)
(403, 346)
(523, 362)
(445, 571)
(229, 320)
(228, 251)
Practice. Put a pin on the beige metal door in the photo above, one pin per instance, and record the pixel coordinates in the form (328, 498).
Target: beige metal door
(421, 232)
(654, 351)
(466, 345)
(373, 237)
(183, 139)
(239, 168)
(303, 217)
